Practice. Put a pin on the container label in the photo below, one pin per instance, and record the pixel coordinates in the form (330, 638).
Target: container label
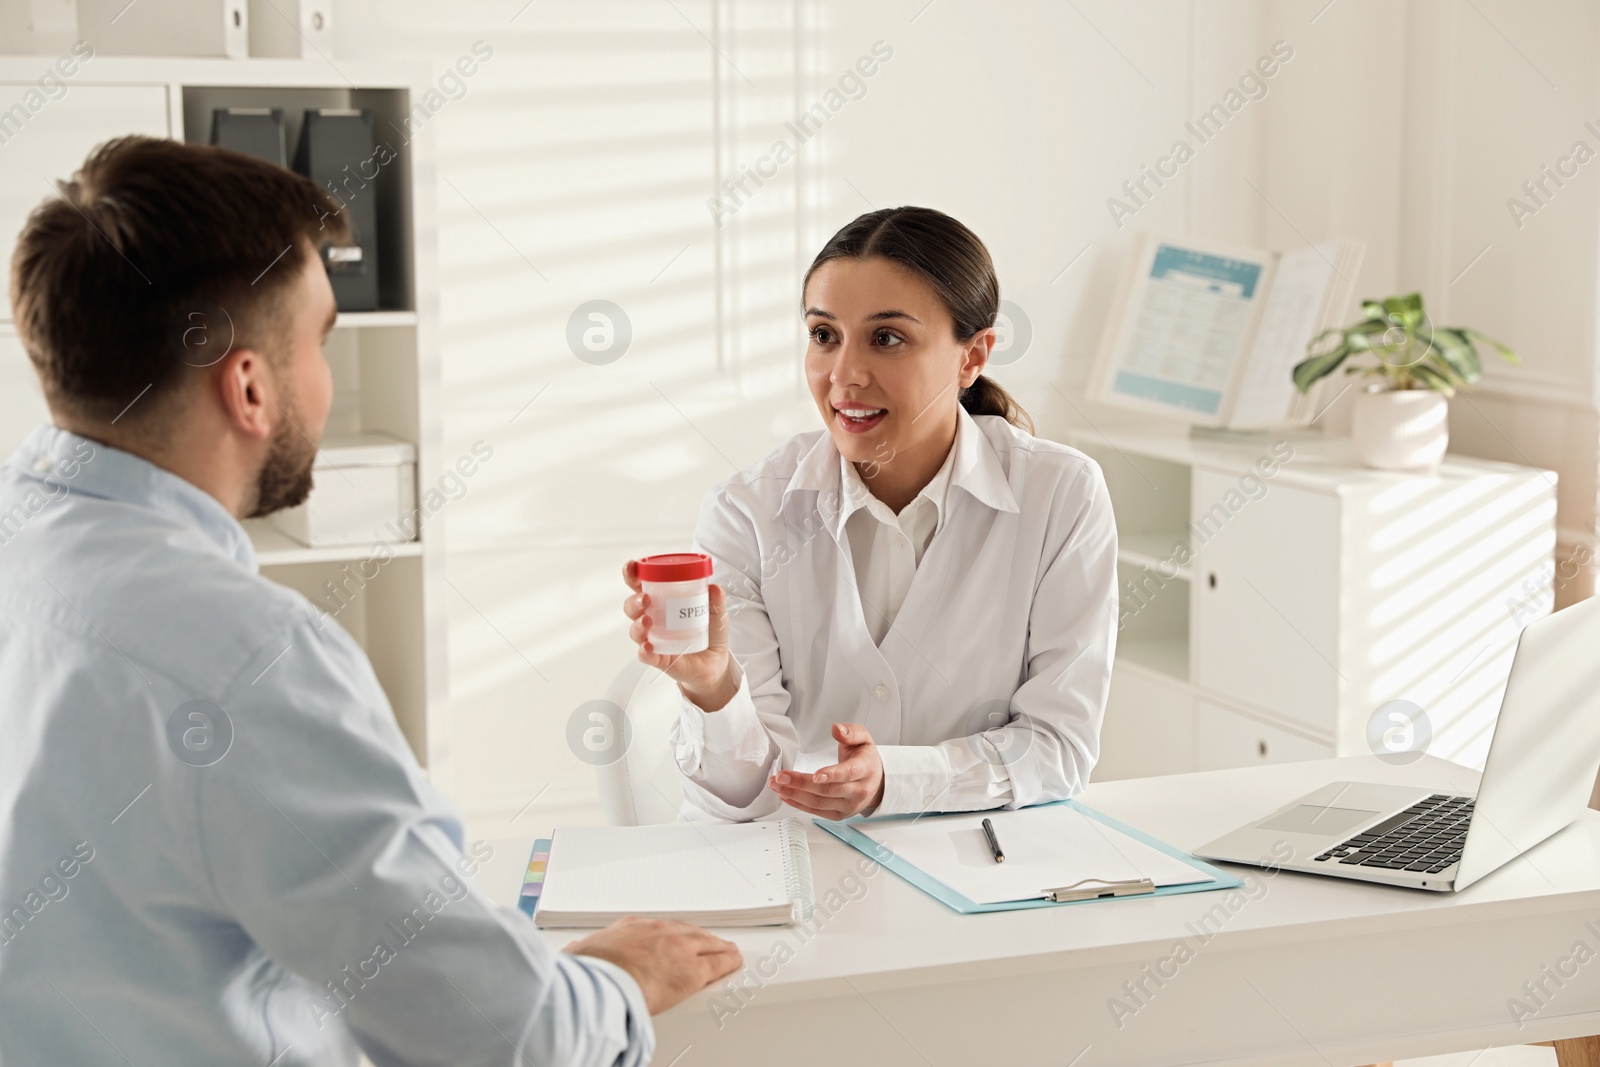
(689, 612)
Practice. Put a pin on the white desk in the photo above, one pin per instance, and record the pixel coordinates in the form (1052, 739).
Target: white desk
(1303, 970)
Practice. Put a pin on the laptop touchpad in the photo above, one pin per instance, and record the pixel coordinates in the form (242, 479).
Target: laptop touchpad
(1317, 819)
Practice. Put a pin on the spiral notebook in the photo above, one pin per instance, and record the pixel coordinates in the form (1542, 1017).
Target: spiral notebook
(710, 874)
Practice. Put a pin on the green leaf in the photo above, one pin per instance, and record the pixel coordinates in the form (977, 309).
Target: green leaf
(1361, 339)
(1438, 366)
(1473, 336)
(1373, 310)
(1432, 379)
(1308, 371)
(1316, 346)
(1456, 353)
(1407, 309)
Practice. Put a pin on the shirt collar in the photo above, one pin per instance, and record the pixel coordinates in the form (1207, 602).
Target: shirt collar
(977, 468)
(971, 465)
(858, 497)
(49, 453)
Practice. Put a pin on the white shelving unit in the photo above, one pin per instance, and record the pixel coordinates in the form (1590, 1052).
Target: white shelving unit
(274, 548)
(356, 319)
(385, 363)
(1271, 605)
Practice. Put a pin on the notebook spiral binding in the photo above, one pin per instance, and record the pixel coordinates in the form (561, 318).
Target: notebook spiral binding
(797, 867)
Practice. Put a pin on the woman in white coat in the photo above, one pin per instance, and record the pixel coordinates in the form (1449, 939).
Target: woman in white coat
(915, 608)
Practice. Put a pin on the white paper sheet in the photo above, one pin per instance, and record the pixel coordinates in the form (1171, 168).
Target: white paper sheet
(1294, 307)
(1045, 848)
(1192, 314)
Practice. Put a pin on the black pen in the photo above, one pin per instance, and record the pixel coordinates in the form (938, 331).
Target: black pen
(994, 842)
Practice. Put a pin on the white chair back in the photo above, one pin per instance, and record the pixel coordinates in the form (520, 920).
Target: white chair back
(642, 787)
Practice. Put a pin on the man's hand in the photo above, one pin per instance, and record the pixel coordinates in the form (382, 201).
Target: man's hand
(707, 678)
(851, 786)
(671, 961)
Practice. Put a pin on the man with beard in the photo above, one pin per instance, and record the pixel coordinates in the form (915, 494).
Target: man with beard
(216, 846)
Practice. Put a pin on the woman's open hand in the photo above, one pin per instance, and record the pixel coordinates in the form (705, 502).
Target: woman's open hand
(849, 787)
(708, 678)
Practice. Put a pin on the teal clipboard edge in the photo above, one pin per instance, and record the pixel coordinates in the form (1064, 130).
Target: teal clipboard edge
(846, 831)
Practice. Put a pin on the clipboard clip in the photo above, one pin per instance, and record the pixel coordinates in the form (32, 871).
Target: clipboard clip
(1099, 888)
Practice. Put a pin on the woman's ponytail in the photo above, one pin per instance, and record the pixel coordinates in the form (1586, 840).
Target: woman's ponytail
(985, 396)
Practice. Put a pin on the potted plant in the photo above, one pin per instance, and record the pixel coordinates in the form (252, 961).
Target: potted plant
(1401, 420)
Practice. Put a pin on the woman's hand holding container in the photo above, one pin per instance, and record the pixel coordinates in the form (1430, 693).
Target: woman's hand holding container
(679, 621)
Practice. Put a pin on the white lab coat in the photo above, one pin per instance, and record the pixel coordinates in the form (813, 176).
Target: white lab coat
(995, 671)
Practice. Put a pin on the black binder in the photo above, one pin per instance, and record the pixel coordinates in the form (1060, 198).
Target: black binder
(254, 131)
(336, 152)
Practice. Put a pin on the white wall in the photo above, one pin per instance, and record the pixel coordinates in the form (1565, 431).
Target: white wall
(588, 147)
(1499, 91)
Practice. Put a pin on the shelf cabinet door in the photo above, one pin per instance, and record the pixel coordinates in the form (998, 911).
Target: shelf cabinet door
(1225, 739)
(52, 144)
(1267, 597)
(1148, 727)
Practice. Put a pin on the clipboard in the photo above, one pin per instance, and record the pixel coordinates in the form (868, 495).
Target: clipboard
(1089, 891)
(1099, 889)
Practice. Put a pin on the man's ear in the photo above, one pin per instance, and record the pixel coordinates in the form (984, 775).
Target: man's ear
(246, 390)
(976, 357)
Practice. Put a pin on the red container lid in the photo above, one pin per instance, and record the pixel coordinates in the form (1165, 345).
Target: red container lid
(675, 567)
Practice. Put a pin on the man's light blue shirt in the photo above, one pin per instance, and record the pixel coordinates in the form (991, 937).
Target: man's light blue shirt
(215, 845)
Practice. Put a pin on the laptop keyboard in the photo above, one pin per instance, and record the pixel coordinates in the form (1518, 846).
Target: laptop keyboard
(1426, 838)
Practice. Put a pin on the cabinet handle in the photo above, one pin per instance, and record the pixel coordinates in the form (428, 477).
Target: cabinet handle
(1211, 579)
(1261, 749)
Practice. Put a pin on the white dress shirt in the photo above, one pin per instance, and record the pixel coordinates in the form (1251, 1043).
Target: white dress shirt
(988, 681)
(886, 548)
(304, 892)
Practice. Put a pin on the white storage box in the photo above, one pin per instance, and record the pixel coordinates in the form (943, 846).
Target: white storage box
(366, 492)
(292, 29)
(167, 27)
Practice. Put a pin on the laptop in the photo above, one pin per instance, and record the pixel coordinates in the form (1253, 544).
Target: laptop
(1543, 758)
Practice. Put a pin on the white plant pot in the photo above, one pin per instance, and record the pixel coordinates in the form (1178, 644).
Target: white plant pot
(1401, 429)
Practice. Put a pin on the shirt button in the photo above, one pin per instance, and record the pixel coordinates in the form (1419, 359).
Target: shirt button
(901, 540)
(41, 464)
(881, 691)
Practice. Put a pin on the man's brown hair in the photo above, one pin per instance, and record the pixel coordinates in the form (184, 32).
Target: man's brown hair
(159, 255)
